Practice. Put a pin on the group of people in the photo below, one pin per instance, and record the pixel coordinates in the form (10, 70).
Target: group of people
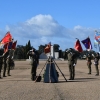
(6, 61)
(72, 61)
(5, 64)
(96, 62)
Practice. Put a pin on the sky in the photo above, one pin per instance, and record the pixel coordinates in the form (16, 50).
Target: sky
(56, 21)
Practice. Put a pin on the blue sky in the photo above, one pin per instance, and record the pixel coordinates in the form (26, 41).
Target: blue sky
(55, 21)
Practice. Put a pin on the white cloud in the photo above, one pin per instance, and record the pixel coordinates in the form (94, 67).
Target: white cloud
(42, 29)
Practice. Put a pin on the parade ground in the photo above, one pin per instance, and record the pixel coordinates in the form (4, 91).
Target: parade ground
(19, 85)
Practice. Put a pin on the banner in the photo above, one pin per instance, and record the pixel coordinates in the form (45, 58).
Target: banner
(97, 37)
(14, 45)
(48, 48)
(7, 38)
(78, 46)
(87, 43)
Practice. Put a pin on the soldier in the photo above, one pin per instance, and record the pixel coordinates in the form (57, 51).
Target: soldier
(1, 63)
(72, 60)
(8, 62)
(96, 63)
(34, 62)
(5, 55)
(89, 62)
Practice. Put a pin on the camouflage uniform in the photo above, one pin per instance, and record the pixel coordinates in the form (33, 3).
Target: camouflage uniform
(96, 63)
(34, 63)
(1, 63)
(72, 60)
(8, 62)
(4, 63)
(89, 63)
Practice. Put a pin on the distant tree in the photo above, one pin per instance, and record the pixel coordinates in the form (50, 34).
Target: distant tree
(19, 53)
(56, 47)
(41, 49)
(29, 45)
(27, 48)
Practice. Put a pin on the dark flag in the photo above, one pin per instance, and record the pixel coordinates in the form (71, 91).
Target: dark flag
(10, 45)
(87, 43)
(14, 45)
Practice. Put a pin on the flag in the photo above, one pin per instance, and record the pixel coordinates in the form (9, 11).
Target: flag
(6, 47)
(48, 48)
(97, 37)
(95, 44)
(10, 45)
(87, 43)
(14, 45)
(78, 46)
(7, 38)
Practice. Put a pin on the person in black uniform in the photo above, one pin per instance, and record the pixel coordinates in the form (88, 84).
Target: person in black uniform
(96, 63)
(34, 62)
(89, 63)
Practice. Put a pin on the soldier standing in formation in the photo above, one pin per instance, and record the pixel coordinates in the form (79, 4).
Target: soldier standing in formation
(89, 63)
(8, 61)
(34, 62)
(96, 63)
(72, 60)
(1, 63)
(4, 63)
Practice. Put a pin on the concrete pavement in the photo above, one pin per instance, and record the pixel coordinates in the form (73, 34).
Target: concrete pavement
(19, 86)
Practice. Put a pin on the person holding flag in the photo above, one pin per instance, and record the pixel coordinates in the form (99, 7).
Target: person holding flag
(9, 46)
(87, 43)
(72, 58)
